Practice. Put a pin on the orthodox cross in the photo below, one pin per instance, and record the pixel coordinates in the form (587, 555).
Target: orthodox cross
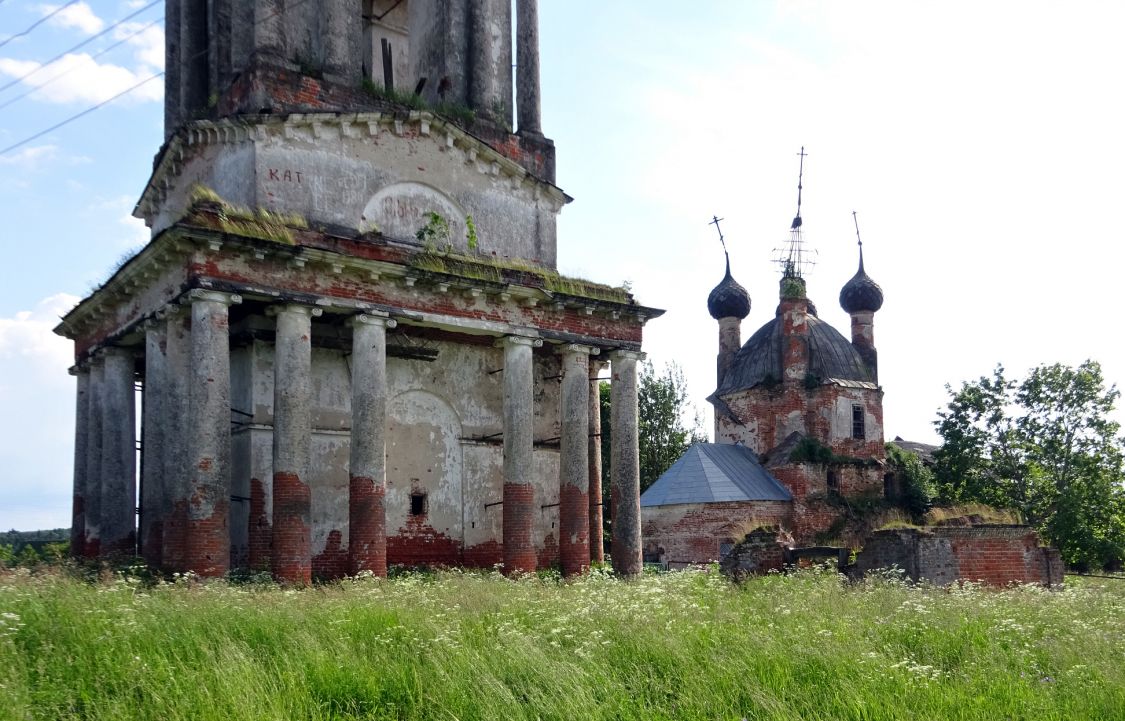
(715, 222)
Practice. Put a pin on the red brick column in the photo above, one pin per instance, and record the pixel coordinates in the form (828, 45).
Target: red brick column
(207, 526)
(594, 463)
(519, 493)
(367, 521)
(574, 479)
(291, 558)
(174, 464)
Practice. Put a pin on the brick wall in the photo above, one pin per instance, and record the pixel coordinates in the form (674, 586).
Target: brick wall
(995, 555)
(686, 534)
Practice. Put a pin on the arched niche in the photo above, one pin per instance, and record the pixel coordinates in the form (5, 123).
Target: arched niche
(400, 210)
(424, 466)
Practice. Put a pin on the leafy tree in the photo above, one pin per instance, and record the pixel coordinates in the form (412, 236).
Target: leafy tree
(662, 433)
(917, 481)
(1046, 447)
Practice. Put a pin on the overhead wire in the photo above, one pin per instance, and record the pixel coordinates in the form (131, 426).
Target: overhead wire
(71, 69)
(85, 42)
(37, 23)
(130, 89)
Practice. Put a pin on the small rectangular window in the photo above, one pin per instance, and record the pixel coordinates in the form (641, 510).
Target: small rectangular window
(417, 504)
(858, 429)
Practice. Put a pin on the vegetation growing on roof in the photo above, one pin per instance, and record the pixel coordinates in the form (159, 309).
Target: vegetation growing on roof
(972, 514)
(258, 223)
(810, 450)
(463, 114)
(495, 270)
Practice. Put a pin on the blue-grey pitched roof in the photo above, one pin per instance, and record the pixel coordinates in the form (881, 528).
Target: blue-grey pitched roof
(713, 473)
(832, 358)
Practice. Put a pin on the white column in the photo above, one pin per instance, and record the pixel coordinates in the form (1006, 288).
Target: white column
(519, 462)
(574, 479)
(625, 465)
(367, 520)
(81, 433)
(119, 455)
(207, 529)
(291, 557)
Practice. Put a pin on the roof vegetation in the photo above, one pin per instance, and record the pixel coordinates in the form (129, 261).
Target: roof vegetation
(257, 223)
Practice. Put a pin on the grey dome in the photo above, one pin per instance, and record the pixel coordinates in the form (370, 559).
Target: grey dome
(861, 293)
(728, 299)
(759, 361)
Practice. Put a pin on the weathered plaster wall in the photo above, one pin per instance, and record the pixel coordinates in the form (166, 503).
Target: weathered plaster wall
(441, 443)
(371, 174)
(692, 533)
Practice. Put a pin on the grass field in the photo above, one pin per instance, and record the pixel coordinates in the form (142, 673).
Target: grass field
(478, 646)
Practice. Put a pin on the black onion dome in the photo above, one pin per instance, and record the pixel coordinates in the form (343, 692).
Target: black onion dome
(728, 299)
(861, 293)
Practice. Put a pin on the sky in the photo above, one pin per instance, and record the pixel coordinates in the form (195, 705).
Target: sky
(980, 144)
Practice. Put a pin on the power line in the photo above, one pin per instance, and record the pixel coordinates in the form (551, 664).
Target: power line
(71, 69)
(72, 118)
(85, 42)
(150, 78)
(37, 23)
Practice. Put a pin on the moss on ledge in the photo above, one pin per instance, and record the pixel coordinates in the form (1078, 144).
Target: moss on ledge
(493, 270)
(258, 223)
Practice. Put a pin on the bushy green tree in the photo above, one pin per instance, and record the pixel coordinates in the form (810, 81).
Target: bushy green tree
(663, 432)
(1045, 446)
(917, 481)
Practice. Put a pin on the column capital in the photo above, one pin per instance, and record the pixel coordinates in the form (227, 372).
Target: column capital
(298, 308)
(78, 369)
(170, 311)
(213, 296)
(369, 319)
(633, 355)
(514, 340)
(568, 348)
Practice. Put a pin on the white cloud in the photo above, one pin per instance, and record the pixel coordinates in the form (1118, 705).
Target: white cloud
(85, 80)
(37, 425)
(149, 43)
(79, 15)
(30, 158)
(29, 336)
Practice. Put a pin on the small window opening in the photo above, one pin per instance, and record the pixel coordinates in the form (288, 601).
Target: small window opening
(417, 504)
(859, 431)
(725, 548)
(833, 482)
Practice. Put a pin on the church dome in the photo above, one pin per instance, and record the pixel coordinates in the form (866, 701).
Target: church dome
(759, 362)
(861, 293)
(728, 299)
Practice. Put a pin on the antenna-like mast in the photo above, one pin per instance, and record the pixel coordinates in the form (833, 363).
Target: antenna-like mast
(858, 239)
(794, 257)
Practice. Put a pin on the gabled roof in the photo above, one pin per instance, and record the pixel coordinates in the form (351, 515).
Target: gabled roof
(714, 473)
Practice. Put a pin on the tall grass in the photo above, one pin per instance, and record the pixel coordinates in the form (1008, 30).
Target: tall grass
(479, 646)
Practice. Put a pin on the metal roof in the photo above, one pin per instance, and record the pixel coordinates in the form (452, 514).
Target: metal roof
(832, 358)
(713, 473)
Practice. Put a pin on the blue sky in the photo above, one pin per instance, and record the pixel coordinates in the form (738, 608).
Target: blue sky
(980, 143)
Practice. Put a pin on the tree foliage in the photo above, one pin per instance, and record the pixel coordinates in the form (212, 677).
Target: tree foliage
(663, 434)
(1045, 446)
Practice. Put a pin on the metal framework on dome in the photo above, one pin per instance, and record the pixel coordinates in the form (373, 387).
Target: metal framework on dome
(796, 258)
(859, 240)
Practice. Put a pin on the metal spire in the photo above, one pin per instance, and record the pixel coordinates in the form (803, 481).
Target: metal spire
(715, 222)
(800, 187)
(794, 257)
(859, 239)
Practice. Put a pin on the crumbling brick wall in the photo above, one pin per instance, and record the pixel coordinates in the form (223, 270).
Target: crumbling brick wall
(691, 533)
(995, 555)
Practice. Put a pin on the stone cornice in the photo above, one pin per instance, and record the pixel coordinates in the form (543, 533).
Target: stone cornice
(257, 128)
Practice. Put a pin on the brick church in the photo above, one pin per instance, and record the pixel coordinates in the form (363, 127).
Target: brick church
(347, 336)
(798, 423)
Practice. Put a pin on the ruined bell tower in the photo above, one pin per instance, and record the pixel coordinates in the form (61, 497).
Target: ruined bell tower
(352, 344)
